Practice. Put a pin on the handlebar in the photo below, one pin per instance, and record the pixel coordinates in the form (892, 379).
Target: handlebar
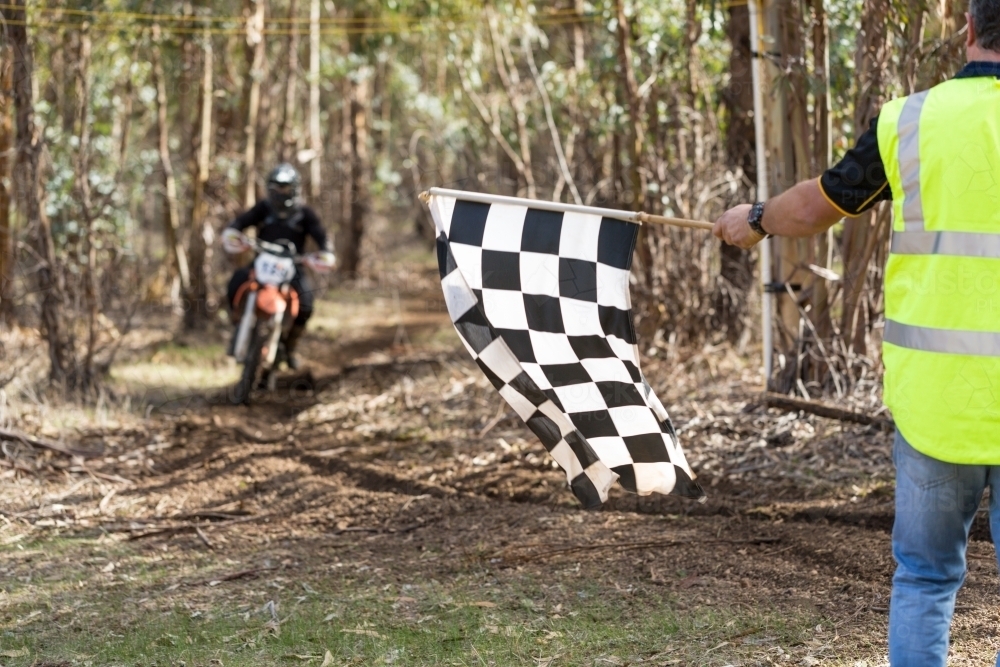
(286, 249)
(321, 262)
(235, 242)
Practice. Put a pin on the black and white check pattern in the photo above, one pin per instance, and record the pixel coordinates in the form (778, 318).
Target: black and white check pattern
(541, 301)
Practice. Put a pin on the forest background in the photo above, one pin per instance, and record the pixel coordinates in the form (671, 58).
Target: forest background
(131, 132)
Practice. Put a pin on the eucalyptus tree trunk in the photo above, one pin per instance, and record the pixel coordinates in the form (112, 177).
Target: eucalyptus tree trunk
(171, 214)
(579, 61)
(950, 55)
(196, 306)
(315, 137)
(255, 69)
(187, 90)
(736, 270)
(360, 167)
(634, 197)
(822, 146)
(356, 98)
(30, 196)
(914, 37)
(346, 246)
(740, 142)
(860, 236)
(6, 160)
(792, 132)
(288, 131)
(346, 91)
(83, 375)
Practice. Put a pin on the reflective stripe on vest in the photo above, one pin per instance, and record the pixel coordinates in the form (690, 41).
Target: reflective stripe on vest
(909, 161)
(951, 341)
(960, 244)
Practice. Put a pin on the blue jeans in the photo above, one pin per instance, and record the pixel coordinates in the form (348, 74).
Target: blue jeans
(935, 505)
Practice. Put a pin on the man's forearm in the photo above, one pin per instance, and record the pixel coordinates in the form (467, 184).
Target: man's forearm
(799, 212)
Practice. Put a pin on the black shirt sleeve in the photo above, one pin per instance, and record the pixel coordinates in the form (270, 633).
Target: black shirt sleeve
(858, 181)
(314, 228)
(253, 217)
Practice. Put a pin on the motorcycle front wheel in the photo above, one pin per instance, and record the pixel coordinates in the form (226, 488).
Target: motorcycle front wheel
(251, 367)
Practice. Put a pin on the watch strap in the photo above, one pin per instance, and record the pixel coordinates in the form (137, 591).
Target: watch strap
(756, 217)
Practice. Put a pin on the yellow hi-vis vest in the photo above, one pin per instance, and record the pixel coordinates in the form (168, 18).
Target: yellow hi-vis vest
(941, 349)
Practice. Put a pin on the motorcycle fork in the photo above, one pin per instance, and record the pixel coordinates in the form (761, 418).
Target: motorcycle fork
(273, 339)
(247, 324)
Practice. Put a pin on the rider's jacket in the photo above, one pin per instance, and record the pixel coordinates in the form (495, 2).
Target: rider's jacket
(296, 228)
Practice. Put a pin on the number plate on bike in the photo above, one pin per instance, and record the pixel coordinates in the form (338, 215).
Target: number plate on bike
(272, 270)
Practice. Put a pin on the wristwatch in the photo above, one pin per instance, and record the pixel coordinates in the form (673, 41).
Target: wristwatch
(755, 217)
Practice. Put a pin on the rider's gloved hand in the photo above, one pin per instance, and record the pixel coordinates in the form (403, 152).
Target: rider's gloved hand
(321, 261)
(234, 241)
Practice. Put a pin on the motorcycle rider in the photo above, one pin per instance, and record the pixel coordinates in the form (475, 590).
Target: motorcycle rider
(281, 217)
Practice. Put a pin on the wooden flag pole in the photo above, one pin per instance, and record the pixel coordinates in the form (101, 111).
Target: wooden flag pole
(625, 216)
(675, 222)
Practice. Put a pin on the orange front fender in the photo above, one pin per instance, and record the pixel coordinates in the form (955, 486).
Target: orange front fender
(270, 301)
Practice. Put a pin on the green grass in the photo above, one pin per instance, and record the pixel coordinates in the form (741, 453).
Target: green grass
(203, 352)
(175, 370)
(71, 610)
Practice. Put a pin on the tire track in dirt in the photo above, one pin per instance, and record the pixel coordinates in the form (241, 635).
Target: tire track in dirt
(374, 478)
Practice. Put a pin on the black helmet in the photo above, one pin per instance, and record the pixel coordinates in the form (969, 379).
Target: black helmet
(283, 188)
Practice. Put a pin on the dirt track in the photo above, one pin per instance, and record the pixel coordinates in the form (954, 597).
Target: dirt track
(404, 455)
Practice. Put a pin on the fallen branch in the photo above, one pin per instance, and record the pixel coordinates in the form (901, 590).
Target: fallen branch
(500, 416)
(203, 537)
(774, 400)
(16, 466)
(230, 577)
(44, 443)
(100, 475)
(213, 514)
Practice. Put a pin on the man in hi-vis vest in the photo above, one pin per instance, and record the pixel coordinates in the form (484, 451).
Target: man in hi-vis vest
(936, 155)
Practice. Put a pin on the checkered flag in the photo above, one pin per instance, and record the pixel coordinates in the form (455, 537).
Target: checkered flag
(540, 298)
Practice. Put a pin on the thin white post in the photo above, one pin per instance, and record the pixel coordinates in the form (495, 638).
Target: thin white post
(767, 305)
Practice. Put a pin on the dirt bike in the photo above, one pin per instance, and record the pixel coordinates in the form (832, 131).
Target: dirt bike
(269, 306)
